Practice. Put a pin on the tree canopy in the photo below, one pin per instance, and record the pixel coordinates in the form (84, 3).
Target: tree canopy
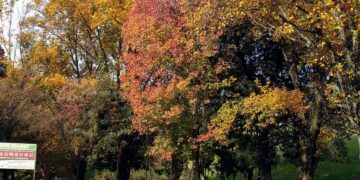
(179, 88)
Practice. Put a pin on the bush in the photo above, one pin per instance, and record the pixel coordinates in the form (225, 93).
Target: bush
(105, 175)
(143, 174)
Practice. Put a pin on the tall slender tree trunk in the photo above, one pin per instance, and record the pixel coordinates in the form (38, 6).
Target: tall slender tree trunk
(305, 175)
(249, 174)
(359, 143)
(81, 170)
(4, 175)
(122, 166)
(176, 168)
(308, 142)
(196, 163)
(265, 172)
(12, 175)
(7, 174)
(47, 174)
(309, 132)
(203, 172)
(222, 175)
(265, 155)
(308, 157)
(306, 169)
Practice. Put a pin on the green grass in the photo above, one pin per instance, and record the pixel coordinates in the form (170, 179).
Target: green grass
(338, 171)
(90, 173)
(327, 170)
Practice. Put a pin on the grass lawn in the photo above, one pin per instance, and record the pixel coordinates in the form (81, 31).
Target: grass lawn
(327, 170)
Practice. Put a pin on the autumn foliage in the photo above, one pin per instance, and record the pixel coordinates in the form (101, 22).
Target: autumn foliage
(180, 87)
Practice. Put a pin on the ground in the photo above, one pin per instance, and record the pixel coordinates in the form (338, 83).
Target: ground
(327, 170)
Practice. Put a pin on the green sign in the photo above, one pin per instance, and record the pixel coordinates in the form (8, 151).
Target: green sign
(18, 146)
(17, 156)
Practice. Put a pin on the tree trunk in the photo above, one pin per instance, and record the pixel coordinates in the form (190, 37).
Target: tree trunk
(47, 174)
(8, 174)
(81, 170)
(122, 167)
(12, 175)
(265, 172)
(5, 174)
(203, 172)
(359, 143)
(196, 163)
(265, 155)
(308, 157)
(176, 168)
(308, 142)
(305, 176)
(249, 174)
(222, 175)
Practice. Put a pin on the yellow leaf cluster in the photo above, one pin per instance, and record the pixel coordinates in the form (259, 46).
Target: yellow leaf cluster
(262, 109)
(55, 82)
(325, 137)
(92, 12)
(45, 55)
(223, 120)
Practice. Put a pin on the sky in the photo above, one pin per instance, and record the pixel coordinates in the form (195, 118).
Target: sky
(19, 11)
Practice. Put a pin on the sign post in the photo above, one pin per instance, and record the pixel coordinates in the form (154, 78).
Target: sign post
(18, 156)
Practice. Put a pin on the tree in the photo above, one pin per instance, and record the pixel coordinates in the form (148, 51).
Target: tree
(118, 146)
(328, 40)
(147, 74)
(2, 65)
(62, 40)
(86, 33)
(224, 85)
(169, 83)
(25, 117)
(299, 43)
